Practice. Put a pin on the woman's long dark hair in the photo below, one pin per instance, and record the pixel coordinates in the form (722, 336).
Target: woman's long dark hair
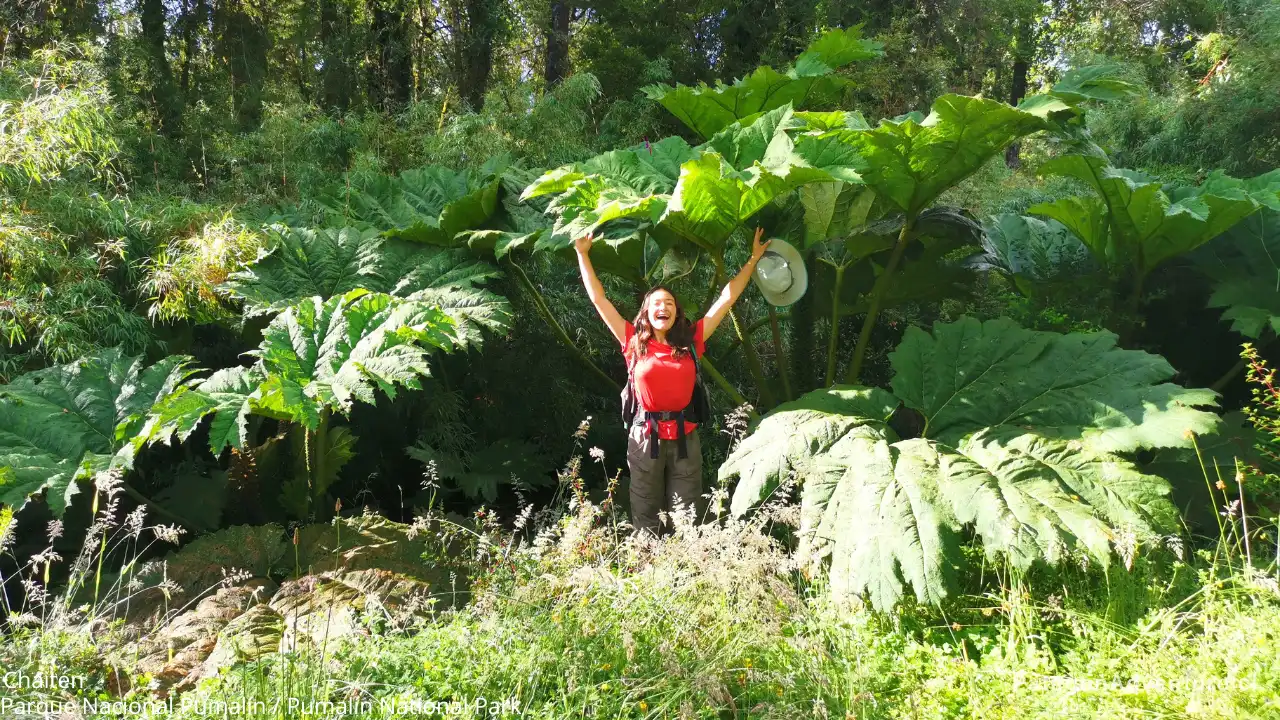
(679, 337)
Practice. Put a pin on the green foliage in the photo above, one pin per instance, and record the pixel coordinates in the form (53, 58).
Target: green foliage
(1244, 264)
(317, 357)
(1134, 224)
(184, 279)
(328, 262)
(70, 422)
(303, 262)
(1029, 249)
(429, 205)
(707, 110)
(673, 193)
(56, 118)
(505, 463)
(1020, 438)
(910, 161)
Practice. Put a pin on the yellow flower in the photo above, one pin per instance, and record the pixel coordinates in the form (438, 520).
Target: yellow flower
(605, 687)
(1220, 485)
(606, 667)
(747, 662)
(644, 706)
(427, 665)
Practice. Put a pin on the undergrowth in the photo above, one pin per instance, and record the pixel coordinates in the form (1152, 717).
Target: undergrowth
(572, 616)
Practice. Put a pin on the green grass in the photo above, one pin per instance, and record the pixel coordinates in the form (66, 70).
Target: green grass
(716, 622)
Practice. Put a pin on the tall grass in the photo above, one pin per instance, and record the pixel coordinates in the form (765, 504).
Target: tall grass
(572, 616)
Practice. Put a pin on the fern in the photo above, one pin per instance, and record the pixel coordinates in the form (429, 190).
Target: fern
(1022, 439)
(69, 422)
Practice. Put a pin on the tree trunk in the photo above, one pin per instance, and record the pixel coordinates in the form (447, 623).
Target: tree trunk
(475, 27)
(162, 95)
(191, 22)
(391, 73)
(79, 18)
(335, 69)
(557, 62)
(1018, 85)
(802, 346)
(244, 43)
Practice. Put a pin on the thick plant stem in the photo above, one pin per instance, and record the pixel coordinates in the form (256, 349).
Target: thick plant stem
(717, 281)
(720, 380)
(1134, 307)
(157, 509)
(835, 329)
(540, 305)
(753, 362)
(748, 349)
(877, 297)
(778, 350)
(1236, 369)
(751, 329)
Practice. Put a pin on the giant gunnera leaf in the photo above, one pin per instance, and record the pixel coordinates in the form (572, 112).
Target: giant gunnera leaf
(327, 262)
(429, 205)
(1244, 265)
(69, 422)
(707, 110)
(1134, 222)
(319, 355)
(910, 161)
(668, 192)
(1021, 440)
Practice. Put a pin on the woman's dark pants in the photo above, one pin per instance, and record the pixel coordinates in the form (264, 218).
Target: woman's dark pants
(658, 484)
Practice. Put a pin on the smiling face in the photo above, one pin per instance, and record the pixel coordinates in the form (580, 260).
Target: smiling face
(661, 311)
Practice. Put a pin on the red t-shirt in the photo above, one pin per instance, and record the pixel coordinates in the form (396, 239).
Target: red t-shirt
(663, 383)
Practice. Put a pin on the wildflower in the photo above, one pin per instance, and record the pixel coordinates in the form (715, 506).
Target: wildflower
(607, 667)
(644, 706)
(604, 687)
(1220, 485)
(747, 663)
(956, 626)
(596, 453)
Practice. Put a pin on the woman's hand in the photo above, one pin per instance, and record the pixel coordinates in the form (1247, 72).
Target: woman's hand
(729, 295)
(757, 247)
(595, 290)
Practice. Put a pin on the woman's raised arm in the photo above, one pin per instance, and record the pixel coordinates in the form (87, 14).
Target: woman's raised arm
(729, 295)
(595, 290)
